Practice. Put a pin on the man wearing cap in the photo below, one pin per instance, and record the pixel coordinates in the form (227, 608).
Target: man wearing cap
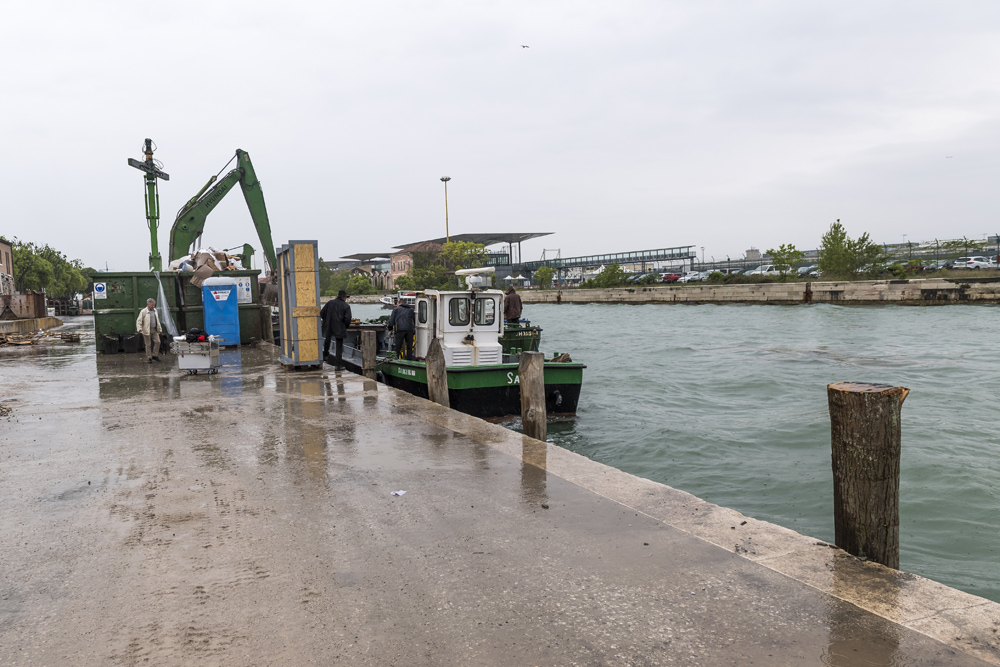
(148, 325)
(336, 317)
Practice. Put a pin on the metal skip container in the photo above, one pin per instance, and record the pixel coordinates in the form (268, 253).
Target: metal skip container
(221, 309)
(298, 269)
(118, 298)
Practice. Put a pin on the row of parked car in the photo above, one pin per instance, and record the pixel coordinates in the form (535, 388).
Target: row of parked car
(809, 271)
(701, 276)
(977, 262)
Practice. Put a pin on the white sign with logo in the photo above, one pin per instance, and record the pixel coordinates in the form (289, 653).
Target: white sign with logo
(221, 294)
(100, 290)
(244, 289)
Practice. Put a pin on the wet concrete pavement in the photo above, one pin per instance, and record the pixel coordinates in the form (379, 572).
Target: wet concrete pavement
(247, 519)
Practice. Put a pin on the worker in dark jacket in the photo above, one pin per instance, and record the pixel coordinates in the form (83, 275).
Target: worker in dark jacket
(336, 317)
(402, 323)
(511, 305)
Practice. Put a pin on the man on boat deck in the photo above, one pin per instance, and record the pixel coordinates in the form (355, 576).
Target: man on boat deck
(511, 305)
(401, 323)
(336, 317)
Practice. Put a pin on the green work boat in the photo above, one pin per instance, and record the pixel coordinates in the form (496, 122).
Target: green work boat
(481, 352)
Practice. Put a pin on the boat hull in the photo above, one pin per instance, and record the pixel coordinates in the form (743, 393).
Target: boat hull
(489, 391)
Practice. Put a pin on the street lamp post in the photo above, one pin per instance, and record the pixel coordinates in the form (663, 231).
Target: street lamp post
(447, 236)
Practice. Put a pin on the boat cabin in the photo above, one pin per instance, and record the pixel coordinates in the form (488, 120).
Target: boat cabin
(468, 323)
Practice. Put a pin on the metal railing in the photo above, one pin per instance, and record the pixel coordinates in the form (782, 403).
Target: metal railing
(680, 253)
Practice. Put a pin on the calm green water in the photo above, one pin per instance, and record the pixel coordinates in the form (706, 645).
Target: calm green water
(729, 403)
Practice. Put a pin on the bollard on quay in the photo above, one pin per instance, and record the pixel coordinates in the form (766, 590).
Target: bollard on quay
(437, 374)
(865, 436)
(368, 348)
(531, 372)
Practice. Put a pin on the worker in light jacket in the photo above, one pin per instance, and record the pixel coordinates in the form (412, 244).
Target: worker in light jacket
(148, 325)
(336, 317)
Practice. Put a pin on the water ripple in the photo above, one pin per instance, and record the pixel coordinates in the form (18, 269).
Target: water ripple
(729, 403)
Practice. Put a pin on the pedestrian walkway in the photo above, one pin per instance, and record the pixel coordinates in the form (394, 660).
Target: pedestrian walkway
(265, 517)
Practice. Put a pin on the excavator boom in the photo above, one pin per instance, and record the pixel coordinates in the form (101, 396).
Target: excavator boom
(190, 222)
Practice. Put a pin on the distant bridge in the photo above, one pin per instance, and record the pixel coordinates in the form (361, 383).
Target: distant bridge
(679, 254)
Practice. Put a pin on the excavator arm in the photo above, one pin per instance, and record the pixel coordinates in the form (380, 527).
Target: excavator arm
(190, 222)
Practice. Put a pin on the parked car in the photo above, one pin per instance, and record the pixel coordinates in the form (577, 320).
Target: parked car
(977, 262)
(765, 270)
(642, 278)
(670, 277)
(695, 277)
(809, 270)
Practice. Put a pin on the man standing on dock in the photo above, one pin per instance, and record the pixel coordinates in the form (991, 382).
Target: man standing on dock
(148, 325)
(511, 305)
(401, 323)
(336, 317)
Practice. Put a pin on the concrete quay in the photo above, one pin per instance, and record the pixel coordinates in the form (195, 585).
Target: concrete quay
(918, 292)
(247, 519)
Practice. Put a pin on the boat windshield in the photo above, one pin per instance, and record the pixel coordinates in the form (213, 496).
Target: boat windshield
(485, 312)
(458, 312)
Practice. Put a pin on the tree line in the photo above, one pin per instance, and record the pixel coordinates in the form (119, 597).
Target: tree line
(42, 267)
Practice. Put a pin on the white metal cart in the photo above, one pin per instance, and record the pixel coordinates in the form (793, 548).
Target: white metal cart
(196, 356)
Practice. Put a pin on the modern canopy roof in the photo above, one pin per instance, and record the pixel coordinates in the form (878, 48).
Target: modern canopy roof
(368, 256)
(485, 239)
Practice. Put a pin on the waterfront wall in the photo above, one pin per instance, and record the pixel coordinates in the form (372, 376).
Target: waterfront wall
(926, 291)
(28, 326)
(356, 298)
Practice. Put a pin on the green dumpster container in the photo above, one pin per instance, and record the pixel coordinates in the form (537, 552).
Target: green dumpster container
(118, 298)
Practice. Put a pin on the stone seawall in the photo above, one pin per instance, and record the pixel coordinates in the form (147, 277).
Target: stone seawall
(29, 326)
(867, 292)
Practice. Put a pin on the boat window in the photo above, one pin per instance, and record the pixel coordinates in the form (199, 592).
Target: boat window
(422, 312)
(485, 312)
(458, 312)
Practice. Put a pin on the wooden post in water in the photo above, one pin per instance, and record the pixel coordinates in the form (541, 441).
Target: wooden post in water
(437, 374)
(865, 442)
(531, 373)
(368, 354)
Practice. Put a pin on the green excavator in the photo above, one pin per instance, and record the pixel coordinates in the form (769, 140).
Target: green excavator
(190, 221)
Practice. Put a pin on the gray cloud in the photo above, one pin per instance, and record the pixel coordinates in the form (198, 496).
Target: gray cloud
(624, 126)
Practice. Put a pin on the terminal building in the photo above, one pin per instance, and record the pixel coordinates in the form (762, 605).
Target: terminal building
(505, 254)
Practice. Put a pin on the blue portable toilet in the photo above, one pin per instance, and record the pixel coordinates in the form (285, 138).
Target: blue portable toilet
(221, 309)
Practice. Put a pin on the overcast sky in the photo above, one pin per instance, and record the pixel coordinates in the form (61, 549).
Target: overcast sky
(625, 125)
